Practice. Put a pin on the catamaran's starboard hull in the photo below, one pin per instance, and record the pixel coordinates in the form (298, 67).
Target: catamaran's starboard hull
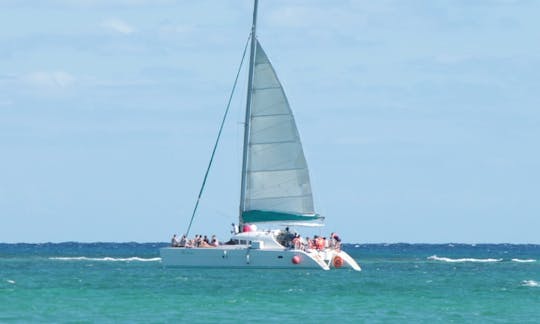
(243, 257)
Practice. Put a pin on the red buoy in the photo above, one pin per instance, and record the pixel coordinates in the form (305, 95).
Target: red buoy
(338, 261)
(296, 259)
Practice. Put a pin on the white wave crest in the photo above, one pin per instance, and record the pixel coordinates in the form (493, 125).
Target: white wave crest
(524, 260)
(443, 259)
(530, 283)
(82, 258)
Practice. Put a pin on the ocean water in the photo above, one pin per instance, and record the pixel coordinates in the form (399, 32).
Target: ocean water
(126, 282)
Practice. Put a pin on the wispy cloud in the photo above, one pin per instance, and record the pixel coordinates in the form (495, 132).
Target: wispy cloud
(5, 103)
(170, 29)
(108, 3)
(118, 26)
(48, 79)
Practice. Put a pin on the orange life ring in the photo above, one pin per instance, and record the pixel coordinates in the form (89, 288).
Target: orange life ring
(338, 261)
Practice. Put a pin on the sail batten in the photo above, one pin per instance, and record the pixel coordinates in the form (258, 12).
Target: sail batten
(267, 88)
(271, 115)
(278, 187)
(277, 170)
(283, 197)
(273, 142)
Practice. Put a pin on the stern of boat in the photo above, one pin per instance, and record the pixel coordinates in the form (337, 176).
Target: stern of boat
(335, 259)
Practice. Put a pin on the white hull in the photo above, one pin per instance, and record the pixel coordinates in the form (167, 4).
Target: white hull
(256, 249)
(247, 257)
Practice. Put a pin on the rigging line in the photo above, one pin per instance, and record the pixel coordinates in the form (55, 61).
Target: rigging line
(218, 136)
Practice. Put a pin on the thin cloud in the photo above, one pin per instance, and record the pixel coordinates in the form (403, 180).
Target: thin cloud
(176, 29)
(118, 26)
(54, 79)
(5, 103)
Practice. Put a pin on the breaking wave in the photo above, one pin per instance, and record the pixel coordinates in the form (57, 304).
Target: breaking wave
(524, 260)
(530, 283)
(443, 259)
(82, 258)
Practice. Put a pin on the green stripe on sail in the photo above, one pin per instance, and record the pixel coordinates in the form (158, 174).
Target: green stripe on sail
(260, 216)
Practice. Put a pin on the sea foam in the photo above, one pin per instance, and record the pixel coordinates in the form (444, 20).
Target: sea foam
(443, 259)
(82, 258)
(524, 260)
(530, 283)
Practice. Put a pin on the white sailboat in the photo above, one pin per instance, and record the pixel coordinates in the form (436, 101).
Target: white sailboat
(275, 188)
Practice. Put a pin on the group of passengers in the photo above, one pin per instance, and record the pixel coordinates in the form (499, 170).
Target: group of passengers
(286, 238)
(295, 241)
(199, 241)
(321, 243)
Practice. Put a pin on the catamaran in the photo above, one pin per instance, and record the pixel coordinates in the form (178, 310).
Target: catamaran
(275, 188)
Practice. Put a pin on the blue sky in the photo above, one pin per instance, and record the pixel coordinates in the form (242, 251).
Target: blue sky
(420, 119)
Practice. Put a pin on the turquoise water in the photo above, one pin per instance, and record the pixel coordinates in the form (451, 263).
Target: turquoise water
(111, 282)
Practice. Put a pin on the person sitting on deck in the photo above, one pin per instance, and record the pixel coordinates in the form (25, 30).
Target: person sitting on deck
(174, 241)
(203, 244)
(331, 241)
(309, 243)
(214, 241)
(183, 241)
(297, 242)
(319, 243)
(336, 241)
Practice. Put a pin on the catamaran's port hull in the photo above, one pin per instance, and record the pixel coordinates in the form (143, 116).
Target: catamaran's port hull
(243, 257)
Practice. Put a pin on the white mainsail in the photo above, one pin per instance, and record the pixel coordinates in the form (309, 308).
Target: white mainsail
(277, 186)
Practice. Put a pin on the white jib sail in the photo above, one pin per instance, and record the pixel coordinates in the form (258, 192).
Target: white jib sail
(277, 173)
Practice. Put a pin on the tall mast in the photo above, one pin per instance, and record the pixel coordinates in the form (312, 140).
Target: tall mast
(248, 110)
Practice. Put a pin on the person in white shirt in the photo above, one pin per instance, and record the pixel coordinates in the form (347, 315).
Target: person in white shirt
(174, 241)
